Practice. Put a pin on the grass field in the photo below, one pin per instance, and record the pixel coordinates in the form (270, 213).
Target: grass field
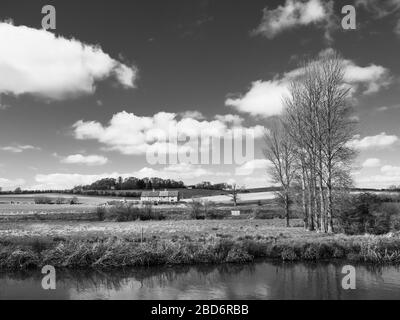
(159, 229)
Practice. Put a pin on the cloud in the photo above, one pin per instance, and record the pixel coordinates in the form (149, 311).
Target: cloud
(90, 160)
(7, 184)
(64, 180)
(265, 98)
(371, 78)
(132, 134)
(371, 163)
(19, 148)
(397, 28)
(249, 167)
(192, 114)
(294, 14)
(379, 141)
(233, 119)
(391, 170)
(379, 8)
(390, 175)
(37, 62)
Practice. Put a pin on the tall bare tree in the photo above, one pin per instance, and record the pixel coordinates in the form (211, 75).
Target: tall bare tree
(280, 151)
(317, 118)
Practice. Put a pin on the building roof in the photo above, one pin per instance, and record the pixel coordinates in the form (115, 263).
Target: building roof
(160, 194)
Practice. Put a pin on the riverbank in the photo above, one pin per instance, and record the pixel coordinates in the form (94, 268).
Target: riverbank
(112, 244)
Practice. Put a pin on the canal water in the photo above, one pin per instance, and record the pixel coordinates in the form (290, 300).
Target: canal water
(260, 280)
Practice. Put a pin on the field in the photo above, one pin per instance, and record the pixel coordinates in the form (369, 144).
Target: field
(159, 229)
(23, 207)
(243, 197)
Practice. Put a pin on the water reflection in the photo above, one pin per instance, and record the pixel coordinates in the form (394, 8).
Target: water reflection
(261, 280)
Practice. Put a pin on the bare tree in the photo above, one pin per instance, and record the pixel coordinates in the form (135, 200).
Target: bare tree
(233, 192)
(318, 121)
(280, 151)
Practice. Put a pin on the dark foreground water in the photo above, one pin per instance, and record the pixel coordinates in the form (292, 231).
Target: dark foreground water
(261, 280)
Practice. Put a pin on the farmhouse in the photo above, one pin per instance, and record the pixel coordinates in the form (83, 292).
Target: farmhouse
(159, 196)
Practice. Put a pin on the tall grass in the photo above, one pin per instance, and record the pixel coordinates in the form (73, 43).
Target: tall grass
(120, 252)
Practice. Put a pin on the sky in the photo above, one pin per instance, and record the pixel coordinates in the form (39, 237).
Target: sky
(88, 99)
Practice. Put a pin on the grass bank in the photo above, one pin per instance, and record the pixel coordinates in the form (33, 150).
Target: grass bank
(108, 245)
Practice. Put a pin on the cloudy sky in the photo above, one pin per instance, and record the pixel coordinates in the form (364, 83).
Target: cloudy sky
(85, 101)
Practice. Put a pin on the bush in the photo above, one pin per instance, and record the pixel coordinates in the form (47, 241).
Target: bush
(367, 213)
(74, 201)
(43, 200)
(196, 210)
(123, 212)
(101, 213)
(60, 200)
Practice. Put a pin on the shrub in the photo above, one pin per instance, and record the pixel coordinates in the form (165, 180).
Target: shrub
(216, 214)
(43, 200)
(74, 200)
(196, 210)
(238, 255)
(366, 213)
(123, 212)
(289, 254)
(101, 213)
(60, 200)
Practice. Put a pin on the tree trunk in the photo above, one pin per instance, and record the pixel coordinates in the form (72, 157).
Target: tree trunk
(303, 199)
(287, 209)
(311, 223)
(330, 208)
(315, 201)
(322, 206)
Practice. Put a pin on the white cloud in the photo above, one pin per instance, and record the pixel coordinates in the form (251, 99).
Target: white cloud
(192, 114)
(391, 170)
(265, 98)
(18, 148)
(294, 14)
(65, 180)
(132, 134)
(371, 78)
(7, 184)
(90, 160)
(233, 119)
(37, 62)
(379, 141)
(248, 167)
(371, 163)
(390, 176)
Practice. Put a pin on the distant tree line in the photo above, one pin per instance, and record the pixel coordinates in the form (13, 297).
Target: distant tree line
(210, 186)
(131, 183)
